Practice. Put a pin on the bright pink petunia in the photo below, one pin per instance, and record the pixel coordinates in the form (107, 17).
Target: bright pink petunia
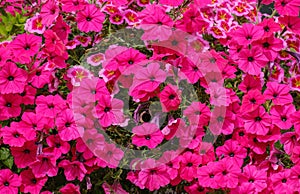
(227, 173)
(170, 98)
(90, 19)
(62, 29)
(58, 145)
(54, 46)
(39, 76)
(116, 187)
(73, 5)
(155, 23)
(253, 176)
(110, 154)
(197, 113)
(232, 149)
(250, 82)
(257, 121)
(147, 134)
(171, 2)
(28, 95)
(278, 93)
(295, 119)
(252, 60)
(44, 165)
(73, 170)
(153, 175)
(15, 135)
(207, 175)
(49, 12)
(281, 181)
(270, 46)
(248, 33)
(129, 60)
(9, 182)
(70, 188)
(269, 26)
(191, 70)
(252, 100)
(281, 115)
(12, 79)
(25, 46)
(50, 105)
(23, 156)
(10, 106)
(292, 23)
(109, 111)
(30, 183)
(189, 163)
(66, 126)
(287, 7)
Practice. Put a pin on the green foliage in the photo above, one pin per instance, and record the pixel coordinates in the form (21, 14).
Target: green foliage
(5, 158)
(11, 24)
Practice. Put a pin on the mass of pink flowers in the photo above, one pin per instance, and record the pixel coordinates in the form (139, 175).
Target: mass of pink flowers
(139, 96)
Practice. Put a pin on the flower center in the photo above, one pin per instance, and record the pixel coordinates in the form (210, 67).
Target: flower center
(257, 118)
(88, 19)
(10, 78)
(107, 109)
(8, 104)
(172, 96)
(6, 183)
(147, 137)
(250, 59)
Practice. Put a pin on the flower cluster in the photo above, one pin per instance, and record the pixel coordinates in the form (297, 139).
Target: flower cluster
(124, 96)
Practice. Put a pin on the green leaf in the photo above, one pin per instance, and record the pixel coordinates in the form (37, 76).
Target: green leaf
(4, 153)
(9, 162)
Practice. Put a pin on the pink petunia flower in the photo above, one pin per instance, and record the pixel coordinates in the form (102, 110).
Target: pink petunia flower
(251, 61)
(269, 26)
(250, 82)
(58, 145)
(49, 12)
(257, 121)
(155, 23)
(73, 170)
(90, 19)
(287, 7)
(171, 2)
(62, 29)
(9, 182)
(25, 46)
(35, 25)
(50, 106)
(227, 173)
(207, 175)
(253, 176)
(295, 119)
(10, 106)
(280, 181)
(147, 134)
(170, 98)
(197, 113)
(278, 93)
(73, 5)
(70, 188)
(189, 163)
(23, 156)
(116, 187)
(12, 79)
(109, 111)
(66, 126)
(280, 115)
(232, 149)
(110, 154)
(30, 183)
(252, 100)
(153, 175)
(15, 135)
(44, 165)
(248, 33)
